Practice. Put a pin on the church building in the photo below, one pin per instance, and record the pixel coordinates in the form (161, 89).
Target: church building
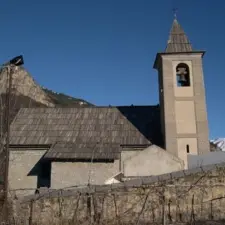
(67, 147)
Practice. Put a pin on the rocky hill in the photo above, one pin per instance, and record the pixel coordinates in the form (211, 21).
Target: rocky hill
(24, 85)
(62, 100)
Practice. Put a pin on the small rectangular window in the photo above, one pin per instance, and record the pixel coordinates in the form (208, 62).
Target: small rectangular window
(187, 148)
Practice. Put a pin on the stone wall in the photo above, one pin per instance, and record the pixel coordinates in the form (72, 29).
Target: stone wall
(183, 196)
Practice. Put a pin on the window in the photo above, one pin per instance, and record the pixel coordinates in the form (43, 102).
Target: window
(187, 148)
(182, 75)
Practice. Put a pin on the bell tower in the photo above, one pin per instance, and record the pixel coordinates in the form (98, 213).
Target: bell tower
(182, 96)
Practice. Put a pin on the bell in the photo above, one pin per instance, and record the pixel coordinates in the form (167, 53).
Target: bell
(182, 78)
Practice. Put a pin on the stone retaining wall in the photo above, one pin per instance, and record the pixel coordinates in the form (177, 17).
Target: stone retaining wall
(184, 196)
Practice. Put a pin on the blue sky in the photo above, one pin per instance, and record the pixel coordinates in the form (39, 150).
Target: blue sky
(103, 50)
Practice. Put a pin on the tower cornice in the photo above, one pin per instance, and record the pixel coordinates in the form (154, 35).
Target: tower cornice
(160, 54)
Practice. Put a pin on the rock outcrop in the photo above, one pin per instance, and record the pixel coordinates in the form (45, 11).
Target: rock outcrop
(24, 85)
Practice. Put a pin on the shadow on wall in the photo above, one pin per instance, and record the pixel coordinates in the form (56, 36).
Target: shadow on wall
(147, 120)
(42, 170)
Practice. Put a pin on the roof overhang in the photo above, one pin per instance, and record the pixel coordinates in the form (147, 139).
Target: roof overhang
(160, 54)
(86, 151)
(29, 146)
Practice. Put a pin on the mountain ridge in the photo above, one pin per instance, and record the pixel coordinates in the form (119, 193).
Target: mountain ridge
(65, 100)
(219, 142)
(24, 84)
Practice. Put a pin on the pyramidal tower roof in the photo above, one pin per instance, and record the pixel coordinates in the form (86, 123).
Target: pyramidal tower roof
(178, 40)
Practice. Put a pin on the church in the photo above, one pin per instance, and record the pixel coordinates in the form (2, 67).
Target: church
(68, 147)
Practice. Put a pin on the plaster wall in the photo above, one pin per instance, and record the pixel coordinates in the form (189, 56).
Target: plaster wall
(24, 169)
(67, 174)
(151, 161)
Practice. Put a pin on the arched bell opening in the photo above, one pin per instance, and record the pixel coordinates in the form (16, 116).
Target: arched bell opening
(183, 75)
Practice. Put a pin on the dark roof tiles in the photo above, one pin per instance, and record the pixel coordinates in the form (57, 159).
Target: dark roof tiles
(132, 125)
(178, 40)
(91, 151)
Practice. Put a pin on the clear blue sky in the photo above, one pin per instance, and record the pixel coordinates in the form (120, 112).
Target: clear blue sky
(103, 50)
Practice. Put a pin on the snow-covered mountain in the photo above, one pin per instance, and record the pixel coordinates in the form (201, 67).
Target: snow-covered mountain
(219, 142)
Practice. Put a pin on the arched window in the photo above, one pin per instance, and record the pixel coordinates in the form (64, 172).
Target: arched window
(183, 75)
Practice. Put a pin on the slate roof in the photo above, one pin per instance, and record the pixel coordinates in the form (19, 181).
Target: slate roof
(178, 40)
(76, 130)
(69, 150)
(178, 43)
